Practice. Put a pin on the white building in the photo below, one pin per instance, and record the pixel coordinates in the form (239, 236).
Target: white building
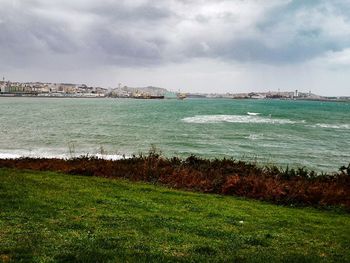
(3, 87)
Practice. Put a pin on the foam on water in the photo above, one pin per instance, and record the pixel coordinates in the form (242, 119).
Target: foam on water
(52, 155)
(24, 154)
(111, 157)
(10, 156)
(254, 137)
(331, 126)
(253, 113)
(201, 119)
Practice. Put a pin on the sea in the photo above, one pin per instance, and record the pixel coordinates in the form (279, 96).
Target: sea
(310, 134)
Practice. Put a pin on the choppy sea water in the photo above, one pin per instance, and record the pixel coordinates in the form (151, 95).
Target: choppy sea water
(295, 133)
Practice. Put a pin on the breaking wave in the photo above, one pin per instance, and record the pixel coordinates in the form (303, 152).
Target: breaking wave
(253, 113)
(25, 154)
(236, 119)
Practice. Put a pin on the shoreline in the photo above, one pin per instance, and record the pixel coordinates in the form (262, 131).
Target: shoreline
(116, 156)
(52, 97)
(292, 186)
(205, 98)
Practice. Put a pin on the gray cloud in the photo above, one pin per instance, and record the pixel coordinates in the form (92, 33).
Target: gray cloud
(146, 32)
(120, 12)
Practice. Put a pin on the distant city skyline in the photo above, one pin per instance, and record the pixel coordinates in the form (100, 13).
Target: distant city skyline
(197, 46)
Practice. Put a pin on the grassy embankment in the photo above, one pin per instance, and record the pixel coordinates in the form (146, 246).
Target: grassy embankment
(46, 216)
(298, 187)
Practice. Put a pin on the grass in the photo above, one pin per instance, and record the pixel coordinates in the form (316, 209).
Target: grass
(298, 187)
(52, 217)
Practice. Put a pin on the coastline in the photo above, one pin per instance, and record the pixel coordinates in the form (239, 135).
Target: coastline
(292, 186)
(52, 97)
(13, 95)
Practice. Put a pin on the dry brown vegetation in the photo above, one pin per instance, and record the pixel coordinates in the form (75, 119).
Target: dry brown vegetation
(224, 176)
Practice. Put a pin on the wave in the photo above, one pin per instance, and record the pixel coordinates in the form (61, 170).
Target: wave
(254, 137)
(25, 154)
(253, 113)
(331, 126)
(10, 156)
(201, 119)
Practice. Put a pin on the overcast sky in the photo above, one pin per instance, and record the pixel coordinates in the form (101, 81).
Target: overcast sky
(191, 45)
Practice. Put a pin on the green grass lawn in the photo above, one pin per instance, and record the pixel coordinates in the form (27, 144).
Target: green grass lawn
(47, 217)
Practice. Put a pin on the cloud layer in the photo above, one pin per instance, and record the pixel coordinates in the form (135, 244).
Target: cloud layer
(76, 36)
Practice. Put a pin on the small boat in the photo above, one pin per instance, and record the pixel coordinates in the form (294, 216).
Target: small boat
(253, 113)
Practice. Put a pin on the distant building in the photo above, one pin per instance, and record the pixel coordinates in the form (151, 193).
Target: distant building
(254, 95)
(2, 86)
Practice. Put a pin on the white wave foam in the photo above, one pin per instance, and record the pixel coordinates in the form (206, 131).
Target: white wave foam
(199, 119)
(9, 156)
(24, 154)
(253, 113)
(331, 126)
(16, 155)
(111, 157)
(254, 137)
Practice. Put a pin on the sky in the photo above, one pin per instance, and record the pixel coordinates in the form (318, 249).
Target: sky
(212, 46)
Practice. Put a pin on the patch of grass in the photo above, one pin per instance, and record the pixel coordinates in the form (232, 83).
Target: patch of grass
(51, 217)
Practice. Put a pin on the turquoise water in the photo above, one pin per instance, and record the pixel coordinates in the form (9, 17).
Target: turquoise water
(311, 134)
